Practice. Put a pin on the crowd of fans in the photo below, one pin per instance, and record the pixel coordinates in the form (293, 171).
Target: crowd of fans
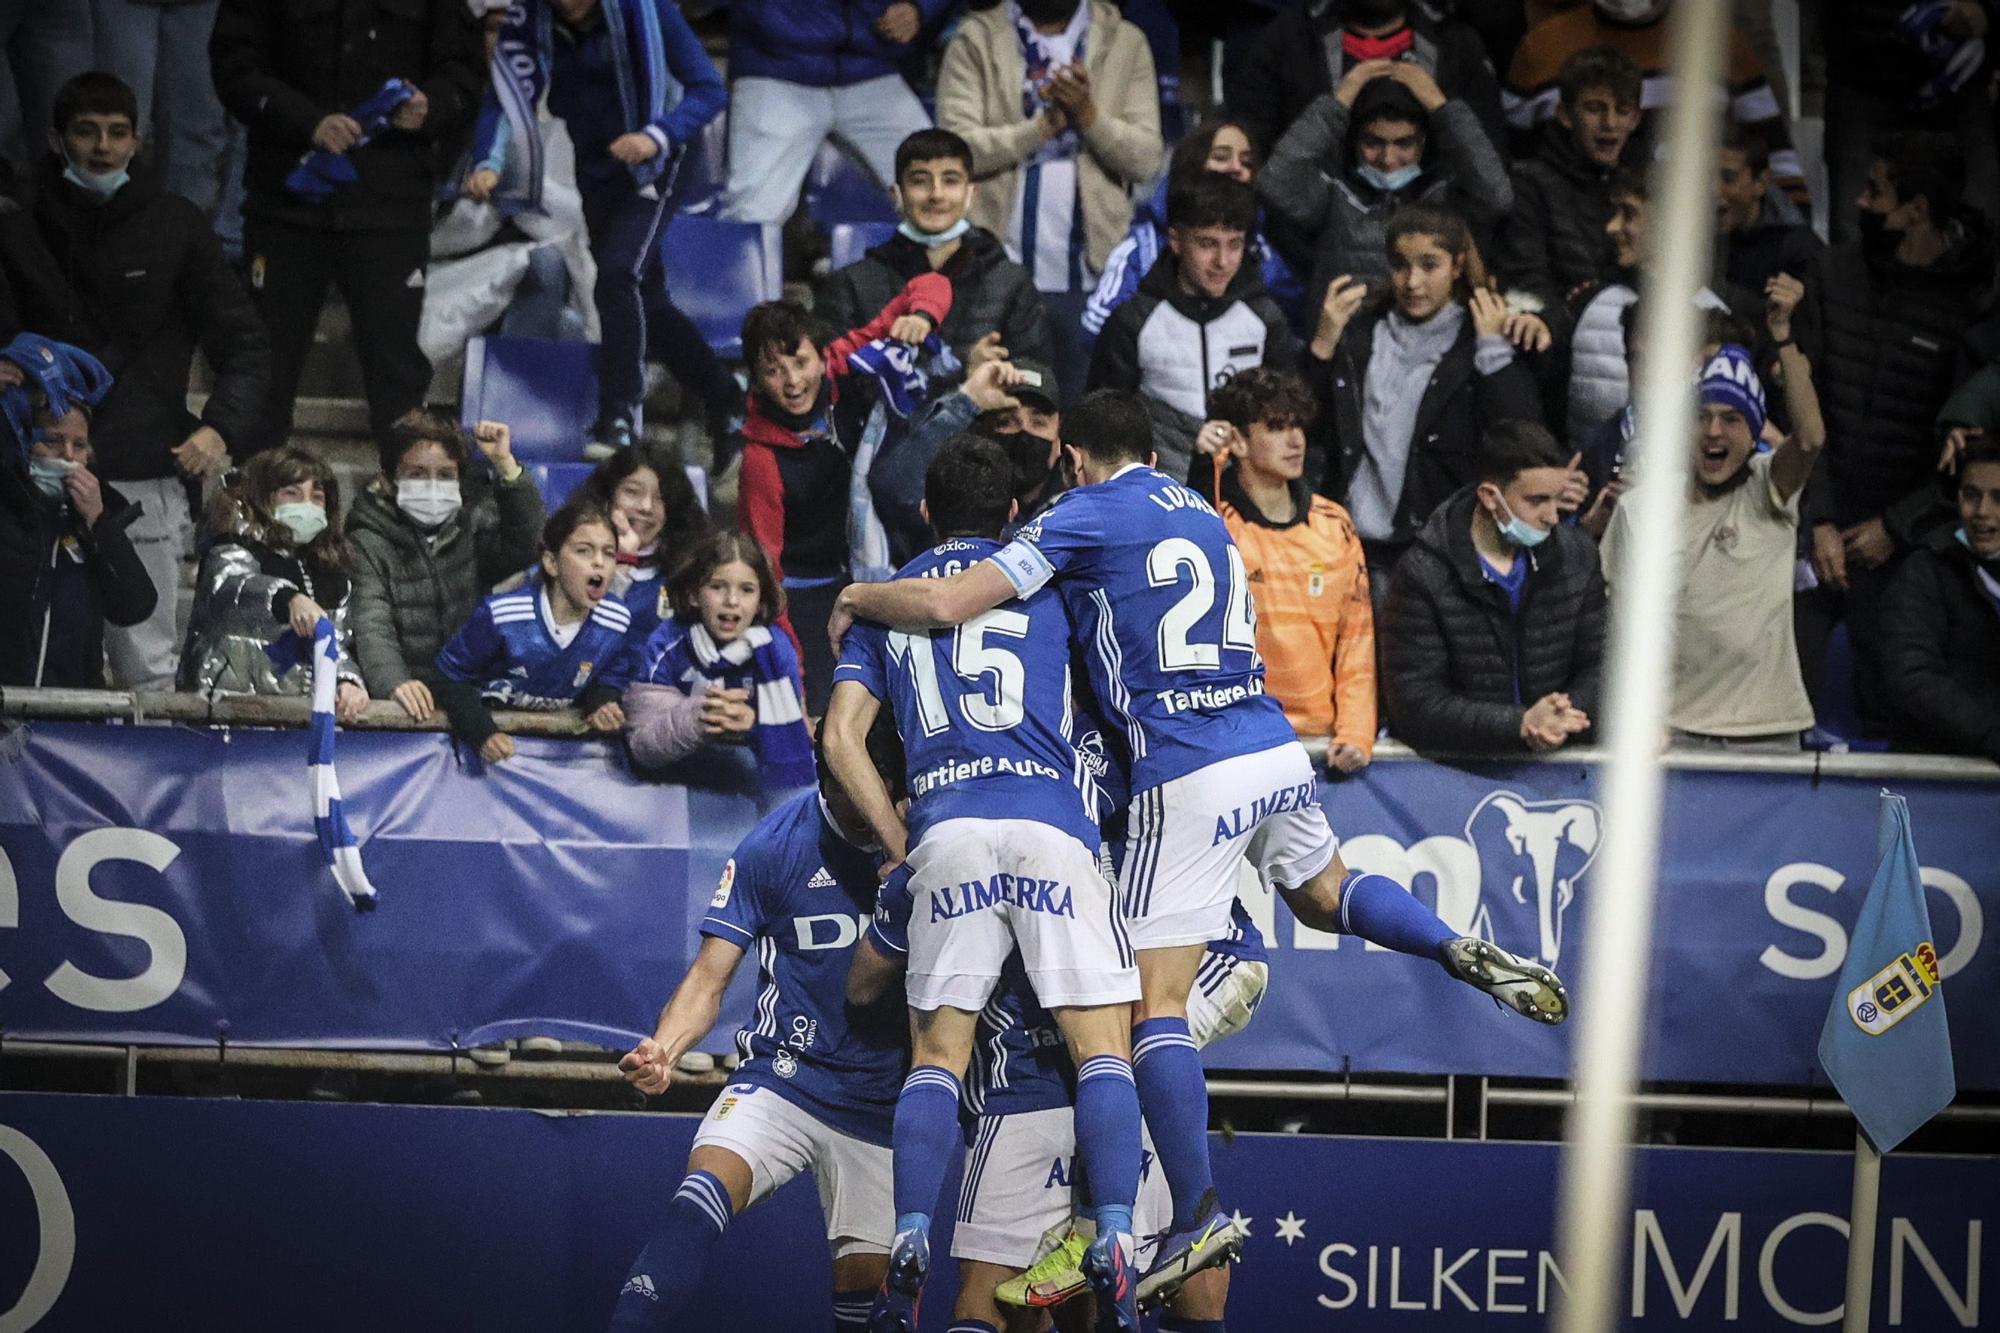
(1381, 304)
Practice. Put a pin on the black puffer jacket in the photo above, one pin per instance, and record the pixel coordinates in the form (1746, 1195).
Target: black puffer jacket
(1891, 339)
(1458, 405)
(411, 593)
(988, 291)
(138, 281)
(1293, 60)
(281, 66)
(1310, 182)
(1461, 670)
(1940, 645)
(1553, 240)
(61, 582)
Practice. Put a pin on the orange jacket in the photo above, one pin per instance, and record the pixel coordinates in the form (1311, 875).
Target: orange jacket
(1315, 625)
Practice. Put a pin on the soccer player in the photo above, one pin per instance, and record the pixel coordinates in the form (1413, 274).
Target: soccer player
(1002, 846)
(817, 1087)
(1018, 1241)
(1166, 628)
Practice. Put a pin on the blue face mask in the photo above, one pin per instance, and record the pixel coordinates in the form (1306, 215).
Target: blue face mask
(1390, 181)
(103, 184)
(1519, 533)
(931, 240)
(48, 475)
(305, 520)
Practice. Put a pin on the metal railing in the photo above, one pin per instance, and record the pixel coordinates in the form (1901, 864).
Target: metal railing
(253, 710)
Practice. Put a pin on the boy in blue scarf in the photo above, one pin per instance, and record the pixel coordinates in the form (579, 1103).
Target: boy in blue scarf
(631, 81)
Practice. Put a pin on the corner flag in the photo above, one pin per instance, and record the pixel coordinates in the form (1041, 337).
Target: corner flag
(1886, 1044)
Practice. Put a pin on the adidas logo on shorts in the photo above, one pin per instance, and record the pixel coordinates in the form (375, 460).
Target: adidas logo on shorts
(641, 1285)
(822, 879)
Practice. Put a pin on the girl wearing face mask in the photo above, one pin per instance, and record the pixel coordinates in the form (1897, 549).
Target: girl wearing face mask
(275, 564)
(716, 672)
(1385, 139)
(1413, 377)
(1220, 143)
(67, 563)
(448, 518)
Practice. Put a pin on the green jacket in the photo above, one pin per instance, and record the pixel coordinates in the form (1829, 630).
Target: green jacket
(412, 591)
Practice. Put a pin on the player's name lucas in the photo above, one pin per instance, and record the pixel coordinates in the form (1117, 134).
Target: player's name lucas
(1210, 697)
(985, 766)
(1034, 895)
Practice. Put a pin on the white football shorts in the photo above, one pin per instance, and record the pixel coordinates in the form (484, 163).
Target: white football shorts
(983, 886)
(1187, 836)
(1018, 1176)
(779, 1139)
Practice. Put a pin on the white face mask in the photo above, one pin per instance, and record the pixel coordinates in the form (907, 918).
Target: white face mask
(1631, 11)
(429, 503)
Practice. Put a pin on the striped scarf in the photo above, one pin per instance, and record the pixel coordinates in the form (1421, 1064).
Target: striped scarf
(759, 662)
(336, 839)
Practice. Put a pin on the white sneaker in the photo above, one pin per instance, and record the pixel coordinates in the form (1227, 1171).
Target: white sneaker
(696, 1062)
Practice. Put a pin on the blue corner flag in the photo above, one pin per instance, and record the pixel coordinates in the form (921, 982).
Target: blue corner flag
(1886, 1044)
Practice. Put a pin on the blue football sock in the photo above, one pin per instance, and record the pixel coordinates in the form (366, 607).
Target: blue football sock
(1175, 1097)
(1378, 909)
(1173, 1323)
(926, 1133)
(668, 1271)
(1107, 1139)
(850, 1310)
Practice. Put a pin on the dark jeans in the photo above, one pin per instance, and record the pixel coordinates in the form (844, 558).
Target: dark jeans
(290, 268)
(809, 609)
(638, 319)
(1815, 614)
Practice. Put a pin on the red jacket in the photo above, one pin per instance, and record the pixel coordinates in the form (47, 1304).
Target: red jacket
(792, 495)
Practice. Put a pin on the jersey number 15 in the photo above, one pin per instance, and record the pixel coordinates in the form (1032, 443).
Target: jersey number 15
(993, 679)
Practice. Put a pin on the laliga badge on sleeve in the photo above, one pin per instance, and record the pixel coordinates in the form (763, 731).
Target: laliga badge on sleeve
(724, 885)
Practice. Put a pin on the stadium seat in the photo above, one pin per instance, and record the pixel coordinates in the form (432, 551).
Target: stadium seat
(839, 189)
(1163, 35)
(1840, 726)
(717, 270)
(703, 171)
(558, 481)
(546, 392)
(851, 240)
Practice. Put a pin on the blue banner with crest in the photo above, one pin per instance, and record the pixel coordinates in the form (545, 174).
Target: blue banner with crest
(164, 884)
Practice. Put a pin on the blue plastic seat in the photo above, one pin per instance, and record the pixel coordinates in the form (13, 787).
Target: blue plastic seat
(558, 481)
(704, 170)
(840, 189)
(716, 270)
(546, 392)
(851, 240)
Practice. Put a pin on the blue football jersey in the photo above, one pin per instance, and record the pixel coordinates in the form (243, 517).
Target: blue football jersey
(510, 651)
(985, 709)
(798, 895)
(1164, 619)
(643, 593)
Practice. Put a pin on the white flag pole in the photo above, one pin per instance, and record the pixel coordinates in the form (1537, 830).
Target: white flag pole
(1594, 1213)
(1861, 1234)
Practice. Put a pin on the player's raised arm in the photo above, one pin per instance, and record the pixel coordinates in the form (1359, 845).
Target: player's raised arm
(688, 1016)
(912, 604)
(850, 712)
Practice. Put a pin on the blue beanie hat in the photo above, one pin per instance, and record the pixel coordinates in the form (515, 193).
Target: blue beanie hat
(1730, 380)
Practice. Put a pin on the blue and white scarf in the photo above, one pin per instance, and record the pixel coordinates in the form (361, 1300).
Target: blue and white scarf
(319, 173)
(904, 373)
(521, 61)
(1953, 60)
(762, 663)
(336, 839)
(66, 377)
(1045, 234)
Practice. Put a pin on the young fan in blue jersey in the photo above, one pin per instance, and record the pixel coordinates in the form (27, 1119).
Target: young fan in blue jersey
(817, 1088)
(538, 647)
(1167, 632)
(1002, 843)
(716, 671)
